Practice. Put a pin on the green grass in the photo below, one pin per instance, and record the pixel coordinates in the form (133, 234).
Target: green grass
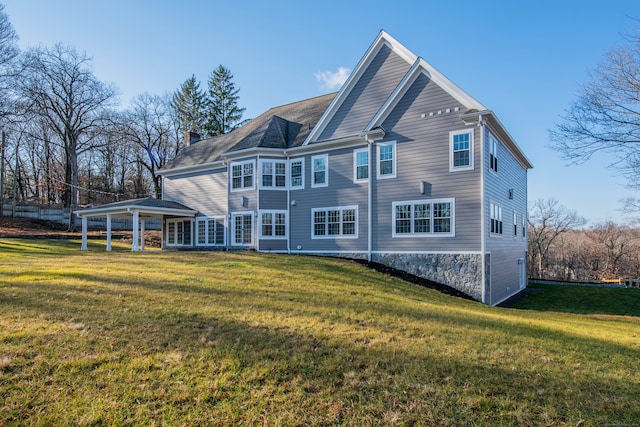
(582, 299)
(122, 338)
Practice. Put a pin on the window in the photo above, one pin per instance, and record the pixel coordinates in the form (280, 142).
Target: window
(524, 227)
(361, 165)
(423, 218)
(493, 153)
(242, 229)
(338, 222)
(210, 231)
(320, 176)
(242, 175)
(515, 224)
(273, 174)
(179, 232)
(273, 224)
(386, 152)
(496, 219)
(461, 150)
(296, 169)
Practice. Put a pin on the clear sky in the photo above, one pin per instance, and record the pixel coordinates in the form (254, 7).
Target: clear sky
(523, 60)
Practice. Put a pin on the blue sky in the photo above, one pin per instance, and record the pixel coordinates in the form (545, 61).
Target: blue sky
(523, 60)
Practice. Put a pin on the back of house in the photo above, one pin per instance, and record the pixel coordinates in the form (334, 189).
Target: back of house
(400, 167)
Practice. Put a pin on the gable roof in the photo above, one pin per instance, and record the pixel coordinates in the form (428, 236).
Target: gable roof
(282, 127)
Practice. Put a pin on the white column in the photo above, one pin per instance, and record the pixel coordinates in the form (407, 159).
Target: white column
(108, 232)
(84, 234)
(136, 225)
(142, 235)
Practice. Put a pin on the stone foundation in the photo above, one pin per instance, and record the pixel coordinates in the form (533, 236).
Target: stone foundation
(460, 271)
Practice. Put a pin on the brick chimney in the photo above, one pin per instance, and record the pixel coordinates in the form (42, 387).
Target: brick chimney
(190, 137)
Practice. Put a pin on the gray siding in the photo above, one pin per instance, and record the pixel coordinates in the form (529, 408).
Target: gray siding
(367, 96)
(423, 155)
(507, 249)
(342, 191)
(204, 191)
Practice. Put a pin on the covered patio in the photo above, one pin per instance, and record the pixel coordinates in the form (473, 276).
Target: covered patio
(138, 210)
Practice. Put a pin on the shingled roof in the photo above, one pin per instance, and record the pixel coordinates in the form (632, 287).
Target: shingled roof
(282, 127)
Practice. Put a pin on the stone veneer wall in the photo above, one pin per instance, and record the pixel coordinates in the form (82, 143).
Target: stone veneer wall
(460, 271)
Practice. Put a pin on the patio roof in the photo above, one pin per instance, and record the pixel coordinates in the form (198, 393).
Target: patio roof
(147, 207)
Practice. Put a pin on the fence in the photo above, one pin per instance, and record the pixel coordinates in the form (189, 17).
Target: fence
(61, 215)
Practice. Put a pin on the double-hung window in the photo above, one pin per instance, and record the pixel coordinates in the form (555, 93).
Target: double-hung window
(423, 218)
(386, 153)
(296, 174)
(461, 150)
(336, 222)
(273, 174)
(361, 165)
(320, 172)
(273, 224)
(242, 175)
(493, 153)
(496, 219)
(515, 224)
(210, 231)
(242, 228)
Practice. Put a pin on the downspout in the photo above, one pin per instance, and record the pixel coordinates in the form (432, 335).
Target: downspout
(483, 248)
(257, 176)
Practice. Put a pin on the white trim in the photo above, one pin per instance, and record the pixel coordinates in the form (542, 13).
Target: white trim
(394, 159)
(431, 233)
(242, 176)
(312, 252)
(500, 219)
(274, 176)
(326, 171)
(176, 234)
(328, 236)
(182, 170)
(302, 161)
(207, 220)
(470, 166)
(493, 139)
(483, 214)
(232, 227)
(272, 212)
(427, 252)
(355, 165)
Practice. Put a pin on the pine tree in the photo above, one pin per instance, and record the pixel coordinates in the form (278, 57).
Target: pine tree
(223, 113)
(189, 105)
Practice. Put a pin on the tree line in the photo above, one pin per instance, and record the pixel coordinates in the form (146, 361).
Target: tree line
(66, 140)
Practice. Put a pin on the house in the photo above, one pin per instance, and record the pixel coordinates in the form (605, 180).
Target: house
(400, 167)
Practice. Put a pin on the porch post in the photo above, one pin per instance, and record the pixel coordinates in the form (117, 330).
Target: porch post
(142, 234)
(84, 234)
(108, 232)
(136, 225)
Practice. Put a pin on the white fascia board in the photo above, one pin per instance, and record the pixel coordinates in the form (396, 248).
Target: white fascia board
(383, 39)
(451, 88)
(124, 210)
(192, 168)
(332, 144)
(254, 151)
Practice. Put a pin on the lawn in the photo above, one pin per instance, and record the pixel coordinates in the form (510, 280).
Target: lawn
(122, 338)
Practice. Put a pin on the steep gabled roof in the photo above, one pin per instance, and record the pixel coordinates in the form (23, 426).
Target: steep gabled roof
(280, 127)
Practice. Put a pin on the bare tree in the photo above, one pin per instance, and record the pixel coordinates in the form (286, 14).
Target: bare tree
(606, 115)
(8, 54)
(613, 249)
(61, 89)
(150, 124)
(547, 221)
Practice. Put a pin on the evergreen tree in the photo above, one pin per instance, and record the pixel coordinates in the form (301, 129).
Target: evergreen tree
(223, 113)
(189, 105)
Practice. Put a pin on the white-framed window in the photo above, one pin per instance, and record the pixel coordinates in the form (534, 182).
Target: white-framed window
(242, 175)
(387, 159)
(334, 222)
(461, 150)
(296, 174)
(273, 174)
(273, 224)
(524, 227)
(178, 232)
(361, 165)
(496, 219)
(431, 217)
(242, 228)
(320, 171)
(493, 153)
(210, 231)
(515, 224)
